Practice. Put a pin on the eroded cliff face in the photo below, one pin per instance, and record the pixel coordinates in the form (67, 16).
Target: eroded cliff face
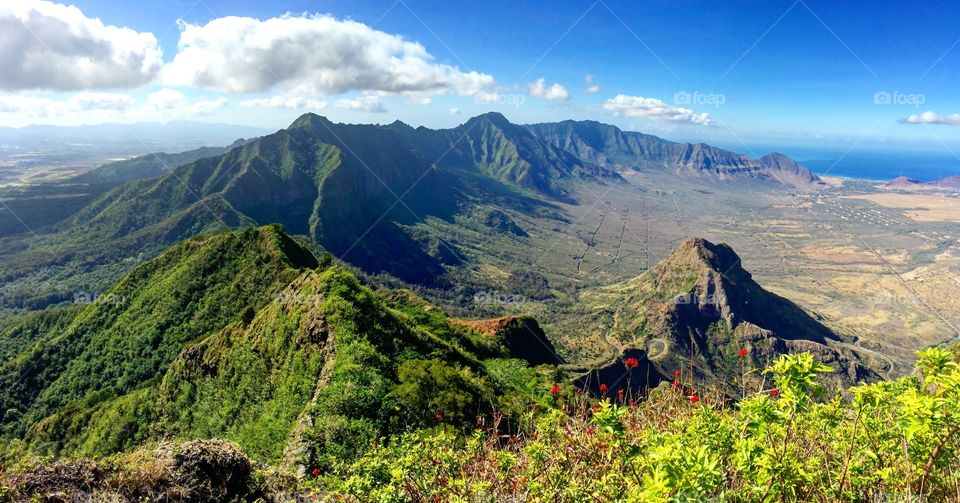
(699, 308)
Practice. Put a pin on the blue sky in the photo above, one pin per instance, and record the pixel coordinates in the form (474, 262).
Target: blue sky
(737, 73)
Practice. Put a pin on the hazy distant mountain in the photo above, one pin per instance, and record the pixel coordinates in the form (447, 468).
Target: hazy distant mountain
(904, 182)
(147, 166)
(950, 181)
(145, 136)
(610, 146)
(36, 205)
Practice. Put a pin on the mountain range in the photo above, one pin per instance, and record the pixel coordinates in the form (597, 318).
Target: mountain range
(905, 182)
(176, 134)
(248, 336)
(301, 294)
(356, 190)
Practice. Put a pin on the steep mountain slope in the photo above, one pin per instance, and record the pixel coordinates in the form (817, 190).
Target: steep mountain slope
(338, 184)
(610, 146)
(129, 335)
(506, 151)
(789, 172)
(145, 167)
(700, 302)
(35, 206)
(245, 336)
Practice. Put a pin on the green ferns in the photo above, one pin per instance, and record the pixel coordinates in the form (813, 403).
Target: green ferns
(893, 440)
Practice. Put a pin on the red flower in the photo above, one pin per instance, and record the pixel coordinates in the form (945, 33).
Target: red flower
(316, 472)
(632, 363)
(774, 392)
(313, 496)
(555, 390)
(620, 393)
(590, 430)
(603, 388)
(676, 383)
(676, 373)
(742, 353)
(694, 399)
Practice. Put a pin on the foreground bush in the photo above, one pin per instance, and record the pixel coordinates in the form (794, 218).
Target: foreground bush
(894, 440)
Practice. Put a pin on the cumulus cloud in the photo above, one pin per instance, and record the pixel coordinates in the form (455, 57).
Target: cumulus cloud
(591, 87)
(310, 54)
(165, 99)
(171, 100)
(370, 104)
(292, 102)
(81, 102)
(554, 92)
(455, 111)
(50, 46)
(652, 108)
(931, 117)
(205, 107)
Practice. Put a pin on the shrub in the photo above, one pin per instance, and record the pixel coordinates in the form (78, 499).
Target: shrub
(892, 440)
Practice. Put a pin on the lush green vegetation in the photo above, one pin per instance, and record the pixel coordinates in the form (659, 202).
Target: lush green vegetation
(246, 336)
(892, 440)
(125, 339)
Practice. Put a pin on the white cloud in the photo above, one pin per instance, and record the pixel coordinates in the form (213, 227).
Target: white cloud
(931, 117)
(554, 92)
(292, 102)
(591, 87)
(176, 103)
(370, 104)
(204, 107)
(81, 102)
(421, 100)
(44, 45)
(310, 54)
(652, 108)
(455, 111)
(165, 99)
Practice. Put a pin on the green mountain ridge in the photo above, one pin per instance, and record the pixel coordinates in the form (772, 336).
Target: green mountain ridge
(128, 335)
(610, 146)
(506, 151)
(376, 196)
(246, 336)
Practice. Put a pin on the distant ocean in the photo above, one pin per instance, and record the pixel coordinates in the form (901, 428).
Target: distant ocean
(922, 166)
